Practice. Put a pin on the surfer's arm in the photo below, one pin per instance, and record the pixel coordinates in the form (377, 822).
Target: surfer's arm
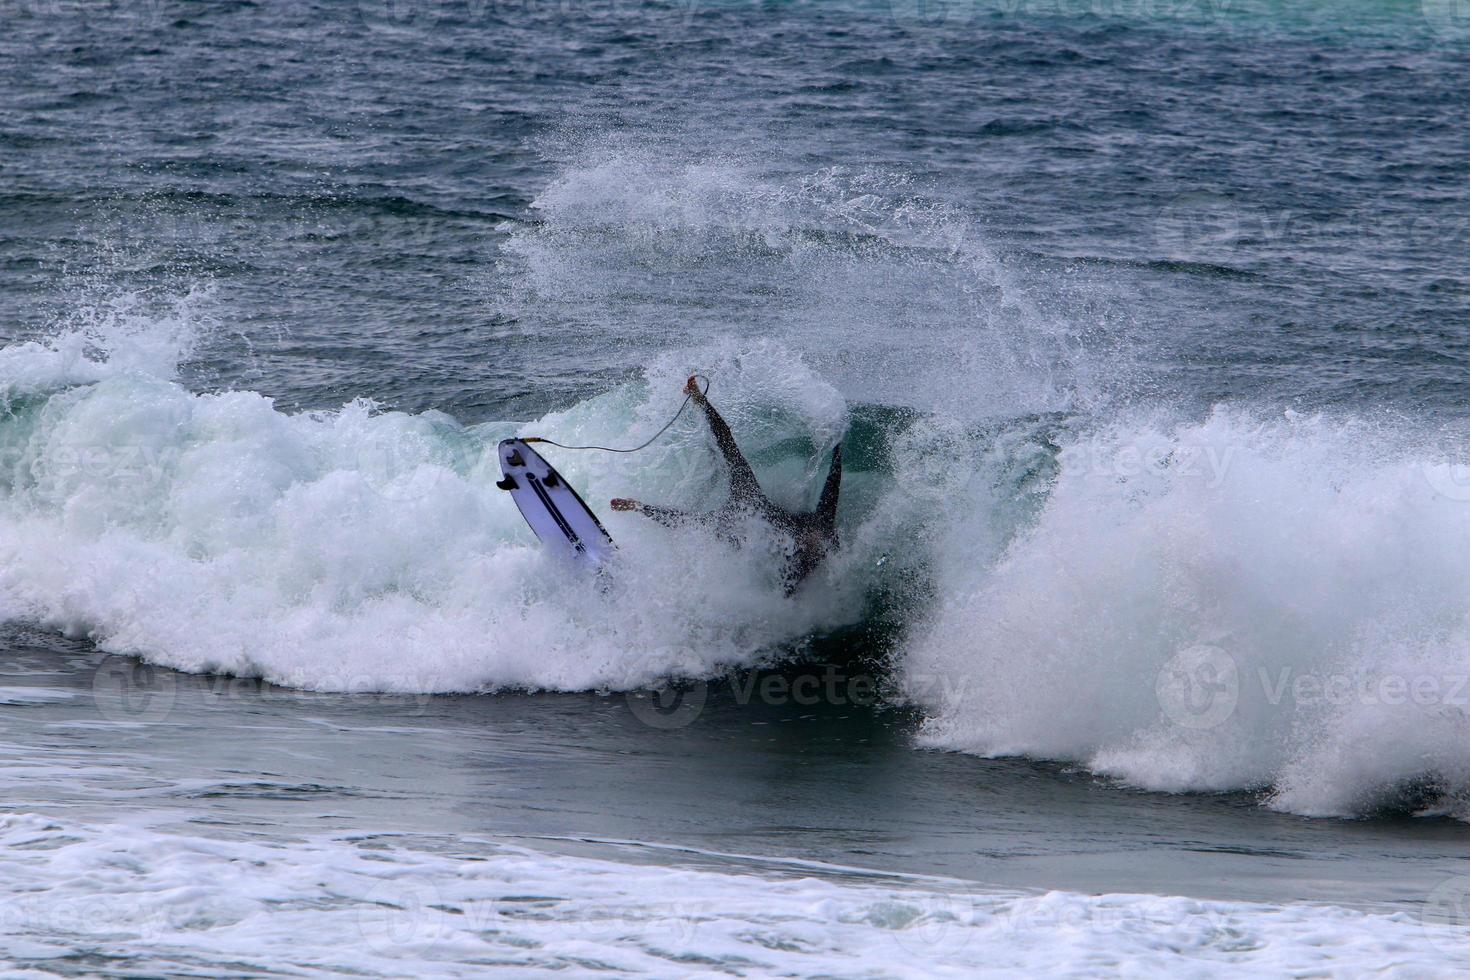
(743, 484)
(667, 516)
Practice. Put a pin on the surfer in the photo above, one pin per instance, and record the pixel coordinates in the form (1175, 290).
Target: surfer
(813, 534)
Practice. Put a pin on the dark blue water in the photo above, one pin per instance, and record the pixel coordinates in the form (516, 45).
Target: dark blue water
(1256, 203)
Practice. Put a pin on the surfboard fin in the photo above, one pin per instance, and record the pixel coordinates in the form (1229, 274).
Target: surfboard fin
(558, 516)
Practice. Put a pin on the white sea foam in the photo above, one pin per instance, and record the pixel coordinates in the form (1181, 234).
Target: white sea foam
(883, 290)
(127, 333)
(365, 550)
(1310, 554)
(1226, 604)
(139, 898)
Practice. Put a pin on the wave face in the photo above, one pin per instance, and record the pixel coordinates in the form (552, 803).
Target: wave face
(1223, 604)
(362, 549)
(357, 549)
(1186, 600)
(1187, 604)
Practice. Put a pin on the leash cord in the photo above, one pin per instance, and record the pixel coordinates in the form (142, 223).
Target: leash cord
(609, 449)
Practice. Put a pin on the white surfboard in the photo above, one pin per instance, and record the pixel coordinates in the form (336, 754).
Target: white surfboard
(553, 509)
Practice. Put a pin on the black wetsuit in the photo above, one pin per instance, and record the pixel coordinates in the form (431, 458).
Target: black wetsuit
(813, 534)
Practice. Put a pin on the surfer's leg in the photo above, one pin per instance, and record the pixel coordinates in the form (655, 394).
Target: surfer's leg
(827, 505)
(744, 489)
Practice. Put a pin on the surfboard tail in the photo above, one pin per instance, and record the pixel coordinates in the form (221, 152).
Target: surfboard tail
(556, 513)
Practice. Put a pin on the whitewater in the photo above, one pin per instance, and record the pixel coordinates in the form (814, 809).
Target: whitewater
(384, 906)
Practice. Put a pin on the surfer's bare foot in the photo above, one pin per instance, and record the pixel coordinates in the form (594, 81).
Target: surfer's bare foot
(623, 503)
(691, 388)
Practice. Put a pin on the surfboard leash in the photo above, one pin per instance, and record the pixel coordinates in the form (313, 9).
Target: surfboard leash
(609, 449)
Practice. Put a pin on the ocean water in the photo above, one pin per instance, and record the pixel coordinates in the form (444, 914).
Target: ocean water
(1142, 326)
